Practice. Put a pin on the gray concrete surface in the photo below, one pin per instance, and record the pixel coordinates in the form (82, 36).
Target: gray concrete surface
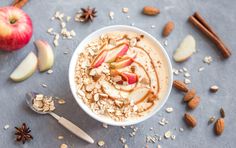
(220, 14)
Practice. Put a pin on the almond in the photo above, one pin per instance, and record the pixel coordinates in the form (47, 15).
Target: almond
(168, 28)
(192, 104)
(149, 10)
(190, 120)
(180, 85)
(219, 126)
(189, 95)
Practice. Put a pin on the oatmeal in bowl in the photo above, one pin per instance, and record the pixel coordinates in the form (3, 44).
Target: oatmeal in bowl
(120, 75)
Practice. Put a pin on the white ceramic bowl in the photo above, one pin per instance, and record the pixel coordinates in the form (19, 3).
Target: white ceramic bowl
(79, 49)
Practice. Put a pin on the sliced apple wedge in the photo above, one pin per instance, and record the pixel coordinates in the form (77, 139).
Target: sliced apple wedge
(25, 69)
(111, 91)
(117, 52)
(45, 55)
(99, 59)
(186, 49)
(139, 94)
(123, 63)
(131, 78)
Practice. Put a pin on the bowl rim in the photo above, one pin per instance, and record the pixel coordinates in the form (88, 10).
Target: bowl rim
(78, 99)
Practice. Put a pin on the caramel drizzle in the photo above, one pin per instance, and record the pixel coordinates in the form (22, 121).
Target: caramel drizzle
(153, 65)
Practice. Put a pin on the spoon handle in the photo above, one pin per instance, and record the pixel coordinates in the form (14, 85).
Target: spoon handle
(73, 128)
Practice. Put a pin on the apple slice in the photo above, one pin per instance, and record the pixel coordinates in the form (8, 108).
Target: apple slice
(123, 63)
(111, 91)
(185, 50)
(139, 94)
(119, 51)
(45, 55)
(130, 77)
(25, 69)
(99, 59)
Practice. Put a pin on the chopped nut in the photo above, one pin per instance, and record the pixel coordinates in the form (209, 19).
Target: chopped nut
(111, 15)
(207, 59)
(123, 140)
(50, 30)
(181, 129)
(6, 126)
(60, 137)
(211, 120)
(187, 75)
(165, 42)
(222, 112)
(63, 146)
(101, 143)
(61, 101)
(214, 88)
(50, 71)
(169, 109)
(187, 81)
(44, 85)
(125, 10)
(167, 134)
(173, 137)
(105, 125)
(201, 69)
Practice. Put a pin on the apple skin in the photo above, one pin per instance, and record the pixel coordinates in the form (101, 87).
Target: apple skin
(45, 55)
(99, 59)
(16, 28)
(117, 53)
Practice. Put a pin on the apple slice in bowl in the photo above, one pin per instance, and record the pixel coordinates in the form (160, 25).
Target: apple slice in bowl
(25, 69)
(119, 51)
(139, 94)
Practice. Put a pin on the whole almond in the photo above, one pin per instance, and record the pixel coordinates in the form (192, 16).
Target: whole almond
(150, 10)
(168, 28)
(193, 103)
(190, 120)
(219, 126)
(189, 95)
(180, 85)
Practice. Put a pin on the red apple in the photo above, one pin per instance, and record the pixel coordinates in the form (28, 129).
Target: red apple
(15, 28)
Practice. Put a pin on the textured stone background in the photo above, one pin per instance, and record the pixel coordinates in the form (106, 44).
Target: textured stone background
(220, 14)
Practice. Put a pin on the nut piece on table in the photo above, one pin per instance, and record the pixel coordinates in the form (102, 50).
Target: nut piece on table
(168, 28)
(219, 126)
(192, 104)
(180, 85)
(190, 120)
(150, 10)
(189, 95)
(214, 88)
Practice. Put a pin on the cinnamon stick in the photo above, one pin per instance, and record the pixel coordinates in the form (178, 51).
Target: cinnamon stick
(203, 22)
(19, 3)
(203, 26)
